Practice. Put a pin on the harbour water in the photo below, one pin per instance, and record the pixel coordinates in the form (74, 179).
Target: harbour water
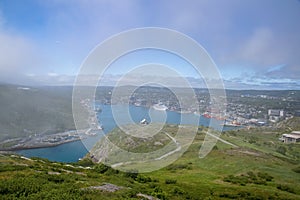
(71, 152)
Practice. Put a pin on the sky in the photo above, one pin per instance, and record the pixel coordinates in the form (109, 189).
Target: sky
(255, 44)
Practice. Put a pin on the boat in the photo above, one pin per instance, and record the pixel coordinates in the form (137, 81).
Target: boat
(91, 132)
(144, 122)
(206, 115)
(197, 113)
(98, 109)
(160, 107)
(231, 124)
(100, 127)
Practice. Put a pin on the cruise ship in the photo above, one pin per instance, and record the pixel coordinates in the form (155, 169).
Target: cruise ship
(159, 106)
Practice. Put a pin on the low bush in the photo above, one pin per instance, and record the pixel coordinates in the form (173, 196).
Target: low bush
(101, 168)
(281, 149)
(4, 168)
(297, 169)
(159, 193)
(170, 181)
(178, 167)
(286, 188)
(132, 174)
(265, 176)
(250, 177)
(178, 191)
(143, 179)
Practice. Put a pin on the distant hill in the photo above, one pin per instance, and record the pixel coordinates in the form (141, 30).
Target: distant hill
(34, 110)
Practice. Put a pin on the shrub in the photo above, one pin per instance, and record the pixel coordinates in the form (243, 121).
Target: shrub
(101, 168)
(4, 168)
(56, 178)
(265, 176)
(86, 162)
(259, 178)
(143, 179)
(297, 169)
(178, 167)
(21, 187)
(281, 150)
(170, 181)
(159, 193)
(252, 140)
(242, 180)
(111, 171)
(178, 191)
(132, 174)
(251, 175)
(285, 188)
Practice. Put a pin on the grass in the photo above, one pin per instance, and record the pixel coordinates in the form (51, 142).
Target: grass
(251, 171)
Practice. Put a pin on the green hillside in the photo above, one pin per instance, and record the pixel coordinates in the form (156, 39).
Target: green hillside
(34, 110)
(254, 170)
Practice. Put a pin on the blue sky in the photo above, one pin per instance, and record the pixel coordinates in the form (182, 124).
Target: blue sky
(255, 44)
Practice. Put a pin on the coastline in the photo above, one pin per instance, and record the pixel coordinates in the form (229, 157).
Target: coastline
(43, 141)
(13, 149)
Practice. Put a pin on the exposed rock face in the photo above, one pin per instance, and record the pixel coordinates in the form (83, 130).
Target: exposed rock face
(107, 187)
(144, 196)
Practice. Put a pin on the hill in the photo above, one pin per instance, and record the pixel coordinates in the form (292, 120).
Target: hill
(253, 170)
(34, 110)
(290, 124)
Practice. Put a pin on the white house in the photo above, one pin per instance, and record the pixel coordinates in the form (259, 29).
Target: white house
(293, 137)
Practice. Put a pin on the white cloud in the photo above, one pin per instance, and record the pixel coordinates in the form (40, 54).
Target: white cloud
(18, 56)
(15, 52)
(30, 75)
(264, 48)
(258, 47)
(253, 35)
(52, 74)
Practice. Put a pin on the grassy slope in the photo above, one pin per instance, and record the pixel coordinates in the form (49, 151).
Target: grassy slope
(38, 110)
(188, 177)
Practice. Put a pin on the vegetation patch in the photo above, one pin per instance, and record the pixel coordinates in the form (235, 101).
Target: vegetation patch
(170, 181)
(253, 171)
(174, 167)
(5, 167)
(248, 178)
(297, 169)
(286, 188)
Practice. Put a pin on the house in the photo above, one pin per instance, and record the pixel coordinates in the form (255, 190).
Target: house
(293, 137)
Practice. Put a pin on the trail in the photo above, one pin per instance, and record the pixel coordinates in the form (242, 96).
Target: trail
(159, 158)
(171, 152)
(220, 139)
(176, 150)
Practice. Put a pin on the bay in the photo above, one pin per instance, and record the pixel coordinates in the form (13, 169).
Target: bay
(71, 152)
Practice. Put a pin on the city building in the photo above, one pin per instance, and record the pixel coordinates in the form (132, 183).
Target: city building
(275, 115)
(297, 113)
(276, 112)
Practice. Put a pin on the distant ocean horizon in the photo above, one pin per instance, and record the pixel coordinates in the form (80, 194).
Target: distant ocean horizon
(73, 151)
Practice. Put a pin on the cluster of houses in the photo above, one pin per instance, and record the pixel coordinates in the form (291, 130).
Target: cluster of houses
(292, 137)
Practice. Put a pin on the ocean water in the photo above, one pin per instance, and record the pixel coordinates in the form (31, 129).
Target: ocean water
(71, 152)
